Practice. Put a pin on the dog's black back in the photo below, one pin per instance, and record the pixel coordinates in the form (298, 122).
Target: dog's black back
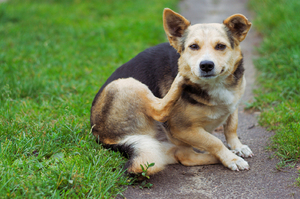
(150, 67)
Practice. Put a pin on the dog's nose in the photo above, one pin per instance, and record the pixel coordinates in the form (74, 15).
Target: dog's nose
(207, 66)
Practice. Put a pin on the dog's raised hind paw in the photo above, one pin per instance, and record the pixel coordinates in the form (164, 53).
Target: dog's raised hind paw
(243, 151)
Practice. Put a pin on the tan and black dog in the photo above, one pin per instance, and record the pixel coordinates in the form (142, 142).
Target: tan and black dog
(166, 101)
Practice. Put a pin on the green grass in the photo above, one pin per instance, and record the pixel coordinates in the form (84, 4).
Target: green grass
(54, 56)
(279, 75)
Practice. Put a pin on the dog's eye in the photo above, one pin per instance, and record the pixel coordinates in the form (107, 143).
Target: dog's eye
(220, 47)
(194, 47)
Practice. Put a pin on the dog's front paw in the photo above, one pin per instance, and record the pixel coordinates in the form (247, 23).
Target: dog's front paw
(233, 161)
(239, 164)
(243, 151)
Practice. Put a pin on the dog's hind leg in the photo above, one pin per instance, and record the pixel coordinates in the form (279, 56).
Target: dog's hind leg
(232, 139)
(124, 120)
(160, 109)
(188, 157)
(157, 108)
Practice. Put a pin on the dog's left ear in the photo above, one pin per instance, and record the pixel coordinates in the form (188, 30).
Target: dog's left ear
(175, 26)
(239, 25)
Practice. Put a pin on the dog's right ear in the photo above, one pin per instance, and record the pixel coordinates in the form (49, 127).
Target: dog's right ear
(175, 26)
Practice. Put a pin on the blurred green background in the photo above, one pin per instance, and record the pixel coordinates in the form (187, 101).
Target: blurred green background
(54, 56)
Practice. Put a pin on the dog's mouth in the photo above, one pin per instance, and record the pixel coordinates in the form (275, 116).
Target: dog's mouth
(211, 74)
(208, 76)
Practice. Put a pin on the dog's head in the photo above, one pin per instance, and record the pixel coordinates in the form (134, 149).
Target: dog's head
(208, 51)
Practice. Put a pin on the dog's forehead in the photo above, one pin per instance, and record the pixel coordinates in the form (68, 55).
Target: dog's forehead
(205, 31)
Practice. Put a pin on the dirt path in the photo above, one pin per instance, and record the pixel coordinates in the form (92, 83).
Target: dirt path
(216, 181)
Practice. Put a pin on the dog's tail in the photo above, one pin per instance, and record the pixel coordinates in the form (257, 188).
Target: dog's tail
(143, 149)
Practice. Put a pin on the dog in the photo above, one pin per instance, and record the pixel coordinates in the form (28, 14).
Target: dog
(161, 106)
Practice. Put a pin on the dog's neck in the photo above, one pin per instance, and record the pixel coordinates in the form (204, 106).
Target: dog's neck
(210, 92)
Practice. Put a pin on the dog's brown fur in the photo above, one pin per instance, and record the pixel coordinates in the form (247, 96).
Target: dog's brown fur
(126, 114)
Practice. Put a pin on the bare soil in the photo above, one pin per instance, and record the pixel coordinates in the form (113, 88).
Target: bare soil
(263, 180)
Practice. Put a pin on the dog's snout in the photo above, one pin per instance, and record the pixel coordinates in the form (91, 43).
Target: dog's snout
(207, 66)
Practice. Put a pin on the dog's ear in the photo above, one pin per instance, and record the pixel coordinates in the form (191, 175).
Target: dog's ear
(175, 26)
(238, 25)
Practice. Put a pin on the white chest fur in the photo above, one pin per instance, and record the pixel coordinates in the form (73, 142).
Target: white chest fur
(224, 101)
(221, 95)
